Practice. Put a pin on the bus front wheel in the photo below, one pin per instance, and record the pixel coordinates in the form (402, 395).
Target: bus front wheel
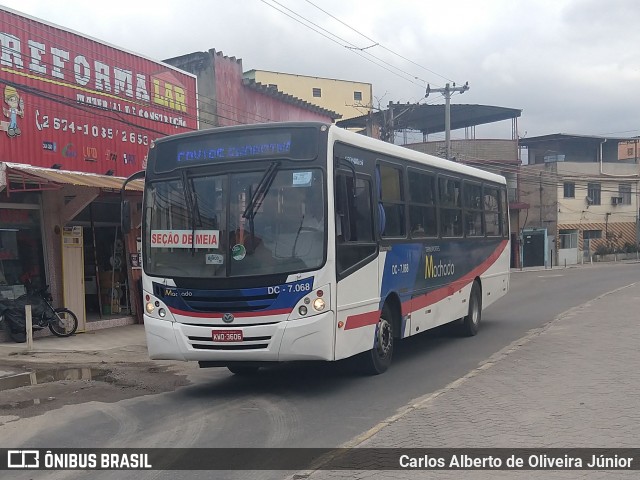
(378, 359)
(471, 322)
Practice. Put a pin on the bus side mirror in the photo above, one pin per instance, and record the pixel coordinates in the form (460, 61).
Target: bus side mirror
(125, 216)
(125, 205)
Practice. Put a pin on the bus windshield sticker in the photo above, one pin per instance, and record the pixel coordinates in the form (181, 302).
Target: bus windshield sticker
(184, 239)
(356, 161)
(302, 179)
(238, 252)
(214, 259)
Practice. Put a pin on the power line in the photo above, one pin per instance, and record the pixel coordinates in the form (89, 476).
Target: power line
(349, 44)
(378, 44)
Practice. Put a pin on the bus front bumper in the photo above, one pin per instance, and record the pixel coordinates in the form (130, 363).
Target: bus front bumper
(309, 338)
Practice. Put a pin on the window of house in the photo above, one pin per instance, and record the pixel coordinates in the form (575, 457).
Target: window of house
(422, 204)
(317, 92)
(392, 198)
(357, 96)
(589, 234)
(569, 190)
(624, 191)
(593, 193)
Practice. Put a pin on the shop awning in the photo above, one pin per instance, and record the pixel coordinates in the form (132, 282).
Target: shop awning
(17, 177)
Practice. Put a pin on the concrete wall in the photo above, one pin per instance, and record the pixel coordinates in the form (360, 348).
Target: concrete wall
(614, 234)
(224, 100)
(337, 95)
(243, 103)
(470, 151)
(538, 188)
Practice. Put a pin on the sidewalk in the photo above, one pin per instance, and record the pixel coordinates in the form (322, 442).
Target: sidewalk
(125, 344)
(573, 383)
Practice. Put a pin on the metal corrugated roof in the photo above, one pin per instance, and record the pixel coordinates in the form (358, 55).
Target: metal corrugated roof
(429, 118)
(566, 137)
(22, 173)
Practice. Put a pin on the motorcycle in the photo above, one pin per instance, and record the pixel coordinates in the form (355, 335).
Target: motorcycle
(61, 321)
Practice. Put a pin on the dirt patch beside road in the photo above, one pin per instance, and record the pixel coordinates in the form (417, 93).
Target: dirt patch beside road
(53, 379)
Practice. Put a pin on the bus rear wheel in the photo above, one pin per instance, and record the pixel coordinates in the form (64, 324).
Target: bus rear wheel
(471, 322)
(378, 359)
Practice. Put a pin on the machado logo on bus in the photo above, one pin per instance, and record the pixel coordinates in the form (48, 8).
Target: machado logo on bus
(433, 270)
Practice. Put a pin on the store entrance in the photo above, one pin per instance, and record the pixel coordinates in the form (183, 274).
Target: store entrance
(106, 283)
(105, 269)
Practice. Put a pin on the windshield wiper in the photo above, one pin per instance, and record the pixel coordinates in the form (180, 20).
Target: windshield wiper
(191, 207)
(261, 191)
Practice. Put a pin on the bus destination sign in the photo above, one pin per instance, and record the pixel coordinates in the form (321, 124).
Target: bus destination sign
(218, 147)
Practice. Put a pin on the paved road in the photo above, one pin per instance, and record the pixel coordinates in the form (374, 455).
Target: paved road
(571, 384)
(311, 406)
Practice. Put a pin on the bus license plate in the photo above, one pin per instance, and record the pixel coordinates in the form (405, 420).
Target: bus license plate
(226, 335)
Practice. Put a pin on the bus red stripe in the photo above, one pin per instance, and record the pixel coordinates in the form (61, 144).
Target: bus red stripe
(362, 320)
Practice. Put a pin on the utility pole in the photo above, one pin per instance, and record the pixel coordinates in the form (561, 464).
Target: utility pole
(447, 91)
(541, 190)
(390, 117)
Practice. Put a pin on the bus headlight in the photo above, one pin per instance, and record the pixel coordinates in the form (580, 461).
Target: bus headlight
(318, 304)
(150, 308)
(315, 302)
(162, 313)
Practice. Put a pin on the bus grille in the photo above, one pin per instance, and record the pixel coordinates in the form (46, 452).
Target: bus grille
(229, 303)
(205, 343)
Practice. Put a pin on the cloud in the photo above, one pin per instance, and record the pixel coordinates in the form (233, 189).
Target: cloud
(570, 65)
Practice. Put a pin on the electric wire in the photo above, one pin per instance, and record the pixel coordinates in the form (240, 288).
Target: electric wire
(376, 43)
(408, 77)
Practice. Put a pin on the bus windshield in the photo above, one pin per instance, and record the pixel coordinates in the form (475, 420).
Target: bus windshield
(250, 223)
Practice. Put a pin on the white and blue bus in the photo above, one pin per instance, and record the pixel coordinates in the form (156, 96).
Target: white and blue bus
(303, 241)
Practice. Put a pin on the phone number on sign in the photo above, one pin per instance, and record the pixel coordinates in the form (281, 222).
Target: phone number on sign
(62, 124)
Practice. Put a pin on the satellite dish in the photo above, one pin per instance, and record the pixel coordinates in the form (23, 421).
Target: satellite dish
(589, 200)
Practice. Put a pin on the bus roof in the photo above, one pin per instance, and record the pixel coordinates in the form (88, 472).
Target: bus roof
(398, 151)
(358, 140)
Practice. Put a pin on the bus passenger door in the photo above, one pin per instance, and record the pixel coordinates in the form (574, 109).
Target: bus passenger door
(358, 291)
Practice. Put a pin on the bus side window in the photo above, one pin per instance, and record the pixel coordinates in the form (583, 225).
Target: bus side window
(354, 221)
(343, 224)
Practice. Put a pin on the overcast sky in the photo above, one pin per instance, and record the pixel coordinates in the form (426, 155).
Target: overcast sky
(571, 66)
